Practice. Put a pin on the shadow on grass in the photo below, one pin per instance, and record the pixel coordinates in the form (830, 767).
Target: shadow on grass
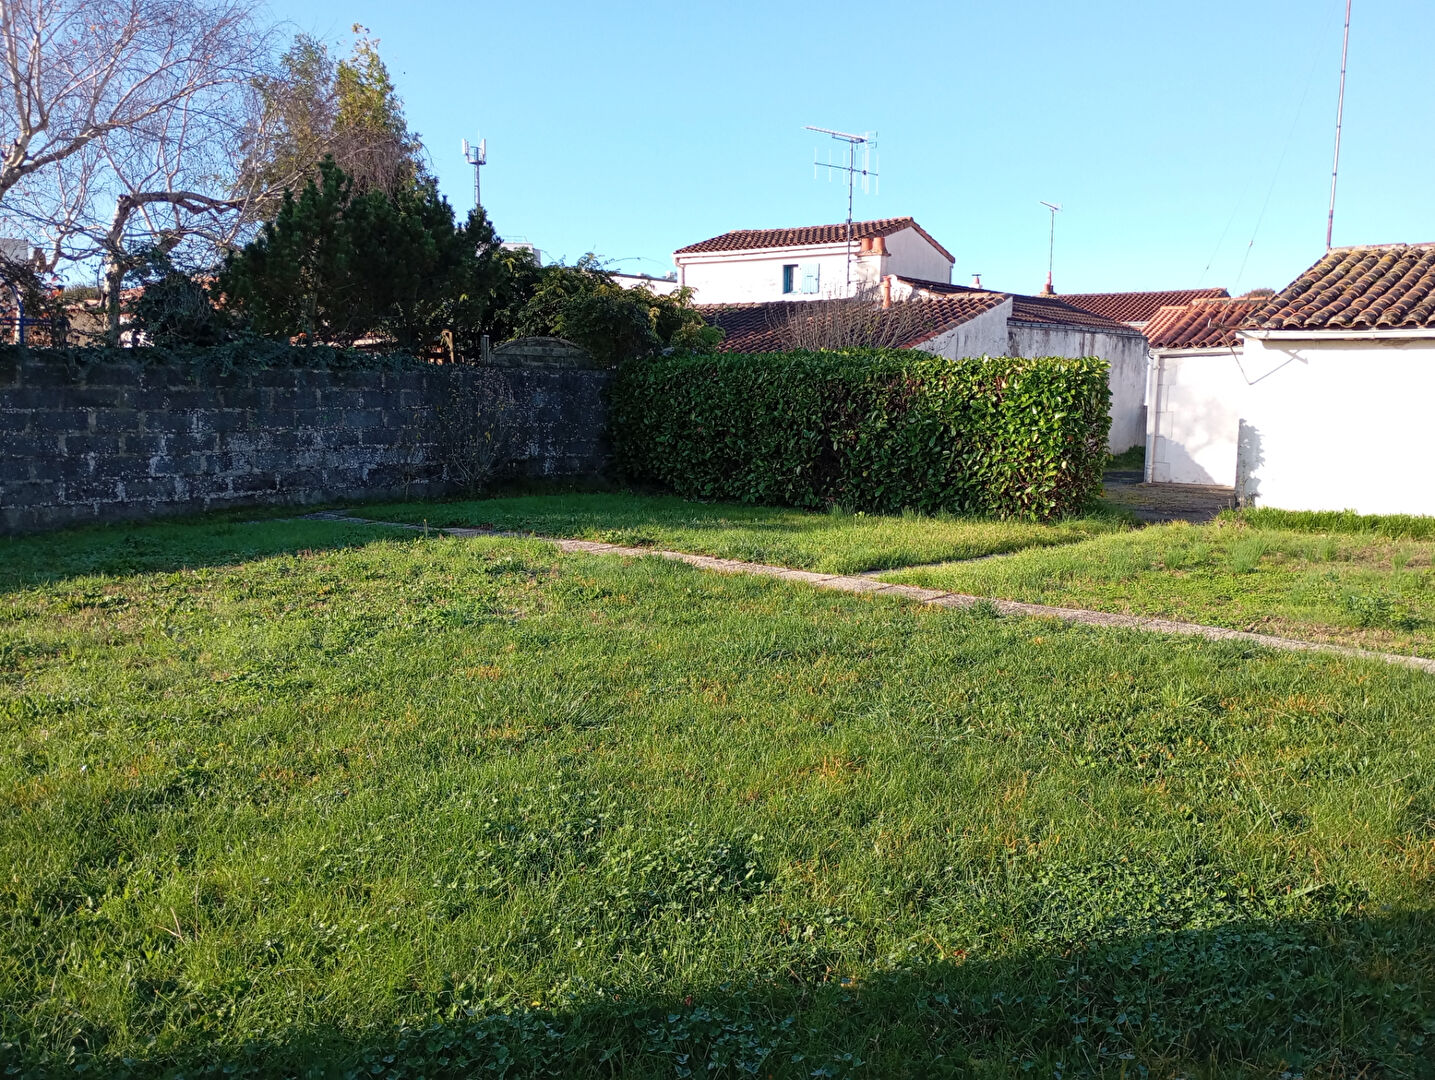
(1350, 997)
(228, 537)
(123, 550)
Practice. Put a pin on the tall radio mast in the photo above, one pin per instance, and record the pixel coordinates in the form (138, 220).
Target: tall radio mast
(477, 156)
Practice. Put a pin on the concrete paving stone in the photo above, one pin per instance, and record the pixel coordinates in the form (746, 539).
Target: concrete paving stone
(855, 585)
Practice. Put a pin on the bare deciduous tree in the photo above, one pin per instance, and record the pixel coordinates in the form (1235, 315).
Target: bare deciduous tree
(131, 120)
(858, 321)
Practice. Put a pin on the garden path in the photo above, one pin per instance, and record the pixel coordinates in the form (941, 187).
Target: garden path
(857, 583)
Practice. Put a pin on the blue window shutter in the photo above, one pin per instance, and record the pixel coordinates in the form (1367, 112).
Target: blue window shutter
(789, 272)
(811, 277)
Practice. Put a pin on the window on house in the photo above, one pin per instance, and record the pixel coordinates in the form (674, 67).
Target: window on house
(789, 278)
(811, 277)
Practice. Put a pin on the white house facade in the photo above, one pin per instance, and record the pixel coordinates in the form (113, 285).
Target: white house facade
(1320, 400)
(810, 262)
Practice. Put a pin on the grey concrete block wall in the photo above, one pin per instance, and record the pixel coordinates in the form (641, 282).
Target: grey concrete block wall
(124, 441)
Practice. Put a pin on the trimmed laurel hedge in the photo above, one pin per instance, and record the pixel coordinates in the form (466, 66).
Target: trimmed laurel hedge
(867, 429)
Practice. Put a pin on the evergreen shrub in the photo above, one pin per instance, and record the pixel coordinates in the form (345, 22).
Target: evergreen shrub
(868, 429)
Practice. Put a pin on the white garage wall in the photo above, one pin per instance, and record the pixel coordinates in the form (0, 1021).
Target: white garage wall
(1194, 418)
(1339, 424)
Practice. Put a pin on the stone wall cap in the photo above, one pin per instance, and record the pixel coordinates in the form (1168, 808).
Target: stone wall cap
(541, 352)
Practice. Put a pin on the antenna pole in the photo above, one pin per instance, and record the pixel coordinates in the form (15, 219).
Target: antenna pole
(1050, 246)
(851, 176)
(1339, 113)
(851, 170)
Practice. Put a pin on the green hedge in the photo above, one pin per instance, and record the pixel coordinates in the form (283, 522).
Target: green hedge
(868, 429)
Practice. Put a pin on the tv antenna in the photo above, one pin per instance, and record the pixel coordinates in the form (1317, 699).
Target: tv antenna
(867, 171)
(477, 156)
(1055, 209)
(1339, 109)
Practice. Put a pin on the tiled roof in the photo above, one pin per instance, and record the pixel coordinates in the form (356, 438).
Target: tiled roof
(938, 286)
(757, 328)
(1209, 323)
(1055, 310)
(1137, 307)
(802, 236)
(1373, 287)
(1058, 311)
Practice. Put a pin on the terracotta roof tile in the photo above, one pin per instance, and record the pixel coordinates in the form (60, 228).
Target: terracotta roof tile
(1372, 287)
(1208, 323)
(748, 239)
(1058, 311)
(757, 328)
(1137, 307)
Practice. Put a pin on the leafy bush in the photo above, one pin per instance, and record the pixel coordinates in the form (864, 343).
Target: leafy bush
(868, 429)
(585, 305)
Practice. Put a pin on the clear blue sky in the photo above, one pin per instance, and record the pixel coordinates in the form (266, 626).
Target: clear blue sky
(1172, 133)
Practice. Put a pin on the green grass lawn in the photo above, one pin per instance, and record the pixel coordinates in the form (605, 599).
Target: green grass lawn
(322, 800)
(1354, 589)
(836, 543)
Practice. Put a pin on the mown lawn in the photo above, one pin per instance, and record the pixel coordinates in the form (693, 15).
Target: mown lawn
(325, 800)
(835, 543)
(1357, 589)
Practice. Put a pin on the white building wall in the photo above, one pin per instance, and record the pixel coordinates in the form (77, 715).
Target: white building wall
(1194, 413)
(656, 286)
(1330, 424)
(1124, 353)
(984, 335)
(910, 254)
(724, 277)
(757, 277)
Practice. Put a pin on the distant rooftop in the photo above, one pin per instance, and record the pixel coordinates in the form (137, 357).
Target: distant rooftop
(1137, 307)
(1204, 323)
(806, 235)
(1054, 310)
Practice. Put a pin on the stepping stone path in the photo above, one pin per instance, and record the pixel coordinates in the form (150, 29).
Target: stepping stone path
(860, 583)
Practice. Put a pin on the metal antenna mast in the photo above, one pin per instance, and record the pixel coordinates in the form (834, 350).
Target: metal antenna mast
(477, 156)
(866, 140)
(1055, 209)
(1339, 111)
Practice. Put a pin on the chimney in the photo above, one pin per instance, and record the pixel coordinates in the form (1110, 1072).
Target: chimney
(886, 290)
(976, 281)
(865, 248)
(1047, 290)
(879, 245)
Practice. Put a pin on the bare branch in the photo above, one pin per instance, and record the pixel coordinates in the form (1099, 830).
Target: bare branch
(859, 321)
